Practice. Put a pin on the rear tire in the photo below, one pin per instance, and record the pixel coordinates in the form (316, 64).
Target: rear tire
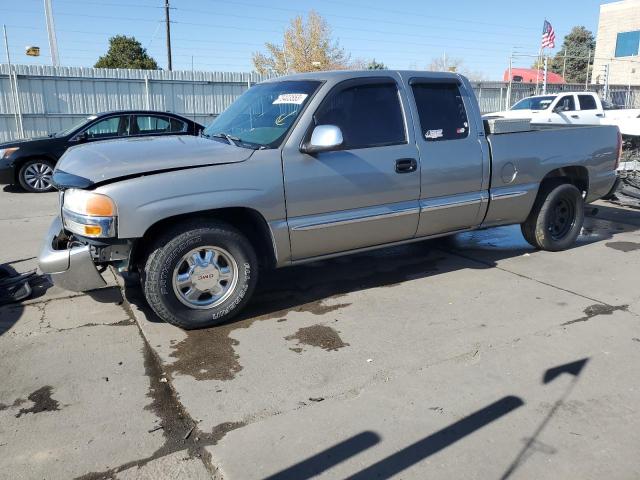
(35, 176)
(198, 276)
(556, 218)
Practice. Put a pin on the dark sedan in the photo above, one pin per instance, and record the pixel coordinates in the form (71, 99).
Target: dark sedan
(30, 163)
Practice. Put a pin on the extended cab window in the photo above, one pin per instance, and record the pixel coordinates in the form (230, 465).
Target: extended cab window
(441, 111)
(368, 115)
(587, 102)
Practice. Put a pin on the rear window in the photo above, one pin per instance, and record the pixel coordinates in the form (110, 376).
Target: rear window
(587, 102)
(441, 111)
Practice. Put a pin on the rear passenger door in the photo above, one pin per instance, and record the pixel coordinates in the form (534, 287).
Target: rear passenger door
(363, 193)
(452, 158)
(588, 113)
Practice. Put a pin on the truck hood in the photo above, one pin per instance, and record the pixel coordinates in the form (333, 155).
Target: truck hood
(103, 161)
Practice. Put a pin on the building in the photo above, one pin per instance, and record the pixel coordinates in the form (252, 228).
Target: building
(618, 43)
(531, 75)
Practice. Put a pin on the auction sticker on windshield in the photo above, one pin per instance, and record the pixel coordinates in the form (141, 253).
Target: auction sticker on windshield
(292, 98)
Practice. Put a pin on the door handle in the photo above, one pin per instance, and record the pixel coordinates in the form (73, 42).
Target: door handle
(575, 116)
(601, 115)
(406, 165)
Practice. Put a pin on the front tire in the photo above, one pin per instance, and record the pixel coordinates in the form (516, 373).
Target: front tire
(556, 218)
(199, 276)
(35, 176)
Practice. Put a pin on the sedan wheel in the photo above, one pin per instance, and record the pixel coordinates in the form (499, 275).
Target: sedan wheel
(35, 176)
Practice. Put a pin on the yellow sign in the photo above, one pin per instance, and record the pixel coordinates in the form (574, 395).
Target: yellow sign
(33, 51)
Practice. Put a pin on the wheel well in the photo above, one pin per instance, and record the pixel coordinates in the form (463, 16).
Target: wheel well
(17, 164)
(578, 176)
(250, 222)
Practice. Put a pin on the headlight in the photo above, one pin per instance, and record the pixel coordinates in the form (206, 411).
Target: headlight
(6, 152)
(89, 214)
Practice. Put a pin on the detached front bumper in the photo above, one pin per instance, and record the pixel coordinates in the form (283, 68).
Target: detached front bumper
(70, 268)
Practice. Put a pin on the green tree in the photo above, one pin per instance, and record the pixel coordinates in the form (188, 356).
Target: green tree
(373, 65)
(577, 44)
(126, 52)
(307, 46)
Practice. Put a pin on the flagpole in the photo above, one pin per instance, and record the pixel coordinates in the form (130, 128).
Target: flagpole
(539, 59)
(538, 68)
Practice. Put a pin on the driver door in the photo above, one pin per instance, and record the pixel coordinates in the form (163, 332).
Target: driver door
(365, 192)
(565, 110)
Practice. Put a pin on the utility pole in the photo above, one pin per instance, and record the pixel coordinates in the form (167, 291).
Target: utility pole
(586, 82)
(51, 31)
(168, 25)
(13, 84)
(564, 62)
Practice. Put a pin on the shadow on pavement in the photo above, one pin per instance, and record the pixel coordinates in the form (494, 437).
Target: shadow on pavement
(328, 458)
(13, 189)
(402, 459)
(416, 452)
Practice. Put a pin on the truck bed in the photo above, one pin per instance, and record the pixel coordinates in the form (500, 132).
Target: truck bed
(520, 160)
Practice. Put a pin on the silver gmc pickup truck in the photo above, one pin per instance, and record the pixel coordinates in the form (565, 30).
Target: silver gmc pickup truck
(307, 167)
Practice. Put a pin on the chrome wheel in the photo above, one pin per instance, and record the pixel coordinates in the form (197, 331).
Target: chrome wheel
(38, 176)
(205, 277)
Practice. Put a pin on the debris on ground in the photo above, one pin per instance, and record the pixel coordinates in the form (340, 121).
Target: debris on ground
(186, 435)
(628, 192)
(14, 286)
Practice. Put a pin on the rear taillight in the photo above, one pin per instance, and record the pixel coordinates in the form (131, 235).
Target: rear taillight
(619, 150)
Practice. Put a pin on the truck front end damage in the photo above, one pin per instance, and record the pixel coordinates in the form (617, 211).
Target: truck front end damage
(81, 244)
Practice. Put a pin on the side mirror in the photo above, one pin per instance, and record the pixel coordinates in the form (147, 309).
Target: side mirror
(81, 137)
(323, 139)
(559, 109)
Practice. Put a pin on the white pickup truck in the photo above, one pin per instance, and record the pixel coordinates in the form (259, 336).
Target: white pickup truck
(580, 108)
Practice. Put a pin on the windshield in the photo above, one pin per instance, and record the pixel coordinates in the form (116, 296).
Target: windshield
(263, 115)
(534, 103)
(75, 126)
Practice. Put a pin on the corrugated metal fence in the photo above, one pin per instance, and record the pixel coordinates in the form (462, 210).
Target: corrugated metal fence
(495, 96)
(51, 99)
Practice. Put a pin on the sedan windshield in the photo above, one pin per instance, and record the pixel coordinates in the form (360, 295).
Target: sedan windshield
(75, 126)
(534, 103)
(263, 115)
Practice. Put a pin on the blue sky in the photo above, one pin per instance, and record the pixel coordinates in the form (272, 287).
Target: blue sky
(221, 35)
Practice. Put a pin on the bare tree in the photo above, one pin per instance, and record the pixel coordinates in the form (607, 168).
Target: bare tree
(306, 46)
(453, 64)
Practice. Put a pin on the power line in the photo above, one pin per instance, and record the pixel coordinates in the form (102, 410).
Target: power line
(351, 27)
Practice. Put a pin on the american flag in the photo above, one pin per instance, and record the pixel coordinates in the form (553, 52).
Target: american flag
(548, 36)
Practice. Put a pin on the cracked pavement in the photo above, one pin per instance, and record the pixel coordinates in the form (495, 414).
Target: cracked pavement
(432, 360)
